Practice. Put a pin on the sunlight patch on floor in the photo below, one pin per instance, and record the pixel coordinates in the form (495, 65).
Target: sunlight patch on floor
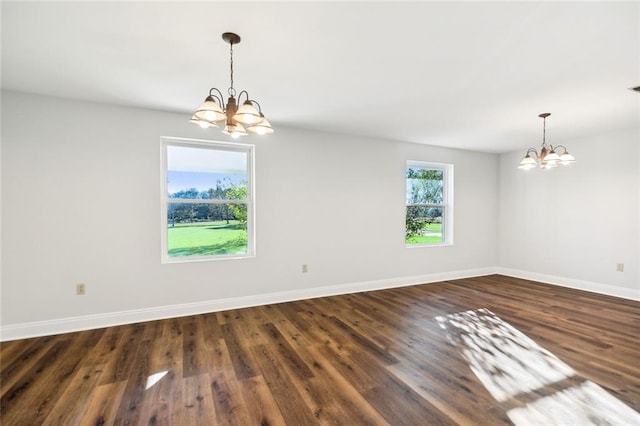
(516, 370)
(577, 405)
(155, 378)
(506, 361)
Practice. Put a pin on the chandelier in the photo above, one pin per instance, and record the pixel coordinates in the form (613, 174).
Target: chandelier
(548, 156)
(238, 120)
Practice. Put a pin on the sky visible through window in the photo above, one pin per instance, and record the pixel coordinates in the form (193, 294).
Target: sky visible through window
(201, 169)
(182, 181)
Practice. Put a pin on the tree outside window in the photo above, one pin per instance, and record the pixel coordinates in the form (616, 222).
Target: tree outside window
(428, 219)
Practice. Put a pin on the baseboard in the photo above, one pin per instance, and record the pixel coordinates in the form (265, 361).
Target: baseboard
(625, 293)
(89, 322)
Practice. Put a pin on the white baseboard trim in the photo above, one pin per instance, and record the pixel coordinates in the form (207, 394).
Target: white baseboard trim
(89, 322)
(625, 293)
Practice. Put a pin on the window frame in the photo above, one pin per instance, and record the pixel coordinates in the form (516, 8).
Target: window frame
(446, 205)
(249, 149)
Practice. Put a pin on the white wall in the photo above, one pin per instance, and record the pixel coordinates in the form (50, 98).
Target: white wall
(572, 225)
(80, 203)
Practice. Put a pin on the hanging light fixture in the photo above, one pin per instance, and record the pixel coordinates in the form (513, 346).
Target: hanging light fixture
(548, 157)
(237, 120)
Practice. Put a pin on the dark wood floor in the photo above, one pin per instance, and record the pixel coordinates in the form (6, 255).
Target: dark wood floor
(487, 350)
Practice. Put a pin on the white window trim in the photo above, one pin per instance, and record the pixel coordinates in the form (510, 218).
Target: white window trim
(164, 199)
(447, 204)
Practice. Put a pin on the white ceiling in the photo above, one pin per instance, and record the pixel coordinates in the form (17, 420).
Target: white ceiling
(470, 75)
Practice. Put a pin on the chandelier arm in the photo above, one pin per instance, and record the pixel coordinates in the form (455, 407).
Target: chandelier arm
(240, 97)
(534, 151)
(560, 146)
(252, 101)
(220, 98)
(256, 102)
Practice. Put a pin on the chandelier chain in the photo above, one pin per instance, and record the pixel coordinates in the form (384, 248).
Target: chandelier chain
(232, 91)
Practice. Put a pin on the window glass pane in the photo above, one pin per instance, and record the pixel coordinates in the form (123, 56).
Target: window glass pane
(196, 173)
(424, 225)
(206, 229)
(424, 186)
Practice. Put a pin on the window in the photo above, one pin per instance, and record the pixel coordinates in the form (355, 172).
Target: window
(207, 200)
(429, 204)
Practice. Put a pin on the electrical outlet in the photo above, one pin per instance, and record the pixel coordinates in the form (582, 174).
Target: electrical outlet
(80, 289)
(305, 268)
(620, 267)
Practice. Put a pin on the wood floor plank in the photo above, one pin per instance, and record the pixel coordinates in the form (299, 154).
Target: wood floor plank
(355, 373)
(19, 360)
(134, 394)
(162, 399)
(20, 401)
(320, 330)
(193, 347)
(71, 404)
(289, 331)
(103, 404)
(13, 349)
(291, 311)
(441, 397)
(199, 407)
(336, 393)
(66, 360)
(243, 362)
(480, 350)
(120, 362)
(165, 402)
(292, 405)
(230, 408)
(249, 329)
(152, 409)
(167, 350)
(399, 404)
(364, 343)
(104, 350)
(287, 354)
(264, 408)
